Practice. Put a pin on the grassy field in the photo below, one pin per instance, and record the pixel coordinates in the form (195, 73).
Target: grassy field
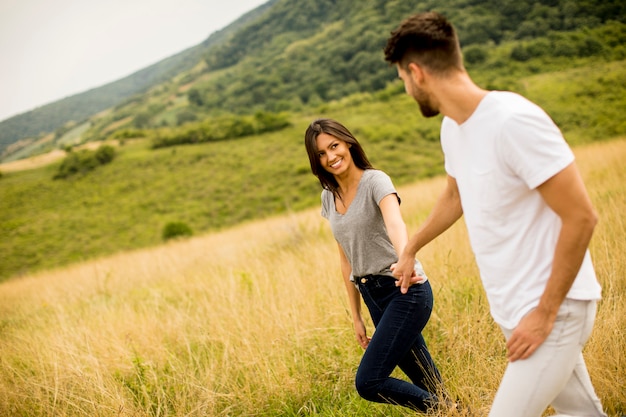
(253, 320)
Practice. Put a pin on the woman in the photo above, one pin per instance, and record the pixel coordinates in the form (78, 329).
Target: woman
(363, 209)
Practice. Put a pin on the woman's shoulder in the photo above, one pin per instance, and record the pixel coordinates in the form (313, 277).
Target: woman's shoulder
(379, 184)
(375, 176)
(326, 195)
(375, 173)
(327, 201)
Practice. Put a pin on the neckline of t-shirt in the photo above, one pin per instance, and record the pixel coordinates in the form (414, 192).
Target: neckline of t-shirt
(358, 192)
(482, 103)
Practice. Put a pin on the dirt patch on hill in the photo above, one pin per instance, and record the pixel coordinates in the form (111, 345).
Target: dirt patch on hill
(47, 158)
(33, 162)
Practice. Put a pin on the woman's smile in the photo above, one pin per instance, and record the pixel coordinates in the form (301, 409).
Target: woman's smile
(336, 164)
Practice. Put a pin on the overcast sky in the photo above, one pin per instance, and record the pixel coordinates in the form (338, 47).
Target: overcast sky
(51, 49)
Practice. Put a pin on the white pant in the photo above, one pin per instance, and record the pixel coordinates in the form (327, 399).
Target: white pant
(555, 374)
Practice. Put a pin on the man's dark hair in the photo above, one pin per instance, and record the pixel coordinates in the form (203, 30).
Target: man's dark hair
(427, 39)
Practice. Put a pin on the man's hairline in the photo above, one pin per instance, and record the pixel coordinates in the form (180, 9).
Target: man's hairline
(406, 60)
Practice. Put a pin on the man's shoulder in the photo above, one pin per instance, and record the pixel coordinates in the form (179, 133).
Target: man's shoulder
(509, 102)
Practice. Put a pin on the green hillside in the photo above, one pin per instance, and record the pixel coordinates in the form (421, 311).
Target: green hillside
(247, 119)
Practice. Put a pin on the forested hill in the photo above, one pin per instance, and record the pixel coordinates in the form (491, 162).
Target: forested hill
(302, 51)
(79, 107)
(290, 54)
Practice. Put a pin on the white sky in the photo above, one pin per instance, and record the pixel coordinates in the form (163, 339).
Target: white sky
(51, 49)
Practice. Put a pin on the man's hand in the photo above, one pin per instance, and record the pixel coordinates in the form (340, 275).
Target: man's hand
(404, 271)
(531, 332)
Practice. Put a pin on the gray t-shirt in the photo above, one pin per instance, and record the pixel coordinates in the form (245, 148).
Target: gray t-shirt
(361, 231)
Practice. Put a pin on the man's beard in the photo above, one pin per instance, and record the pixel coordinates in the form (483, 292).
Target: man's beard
(424, 104)
(427, 110)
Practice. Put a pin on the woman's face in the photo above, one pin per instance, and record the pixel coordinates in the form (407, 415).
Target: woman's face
(334, 154)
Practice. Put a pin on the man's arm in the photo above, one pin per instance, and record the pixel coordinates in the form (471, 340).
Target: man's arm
(565, 193)
(445, 213)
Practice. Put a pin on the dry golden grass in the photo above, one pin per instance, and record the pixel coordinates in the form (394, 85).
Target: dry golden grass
(254, 321)
(33, 162)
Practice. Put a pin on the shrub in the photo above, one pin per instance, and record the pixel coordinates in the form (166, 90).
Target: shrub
(142, 119)
(220, 128)
(590, 47)
(520, 53)
(84, 161)
(75, 163)
(269, 122)
(176, 229)
(128, 134)
(185, 116)
(474, 54)
(538, 48)
(105, 154)
(195, 97)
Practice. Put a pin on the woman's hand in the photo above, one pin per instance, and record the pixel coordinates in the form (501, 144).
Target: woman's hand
(361, 333)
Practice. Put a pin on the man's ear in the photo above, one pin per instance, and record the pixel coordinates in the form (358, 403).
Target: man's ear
(416, 72)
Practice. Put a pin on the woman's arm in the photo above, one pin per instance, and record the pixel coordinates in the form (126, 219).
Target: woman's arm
(354, 299)
(396, 229)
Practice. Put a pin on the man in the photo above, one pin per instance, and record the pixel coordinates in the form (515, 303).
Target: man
(529, 219)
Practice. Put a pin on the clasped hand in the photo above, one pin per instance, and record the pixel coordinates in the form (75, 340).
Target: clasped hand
(404, 271)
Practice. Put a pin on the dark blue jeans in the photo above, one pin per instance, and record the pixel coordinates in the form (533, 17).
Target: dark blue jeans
(399, 320)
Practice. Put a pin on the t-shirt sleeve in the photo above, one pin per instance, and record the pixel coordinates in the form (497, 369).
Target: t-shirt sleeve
(443, 133)
(381, 186)
(325, 203)
(534, 147)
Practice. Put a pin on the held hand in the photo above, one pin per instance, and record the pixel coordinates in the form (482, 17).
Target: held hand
(530, 333)
(404, 271)
(361, 333)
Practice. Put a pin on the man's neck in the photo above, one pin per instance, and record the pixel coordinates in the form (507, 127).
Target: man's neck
(459, 97)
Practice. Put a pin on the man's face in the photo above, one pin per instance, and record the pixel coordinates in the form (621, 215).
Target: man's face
(422, 98)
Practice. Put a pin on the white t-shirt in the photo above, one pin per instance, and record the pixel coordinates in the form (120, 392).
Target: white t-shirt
(507, 148)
